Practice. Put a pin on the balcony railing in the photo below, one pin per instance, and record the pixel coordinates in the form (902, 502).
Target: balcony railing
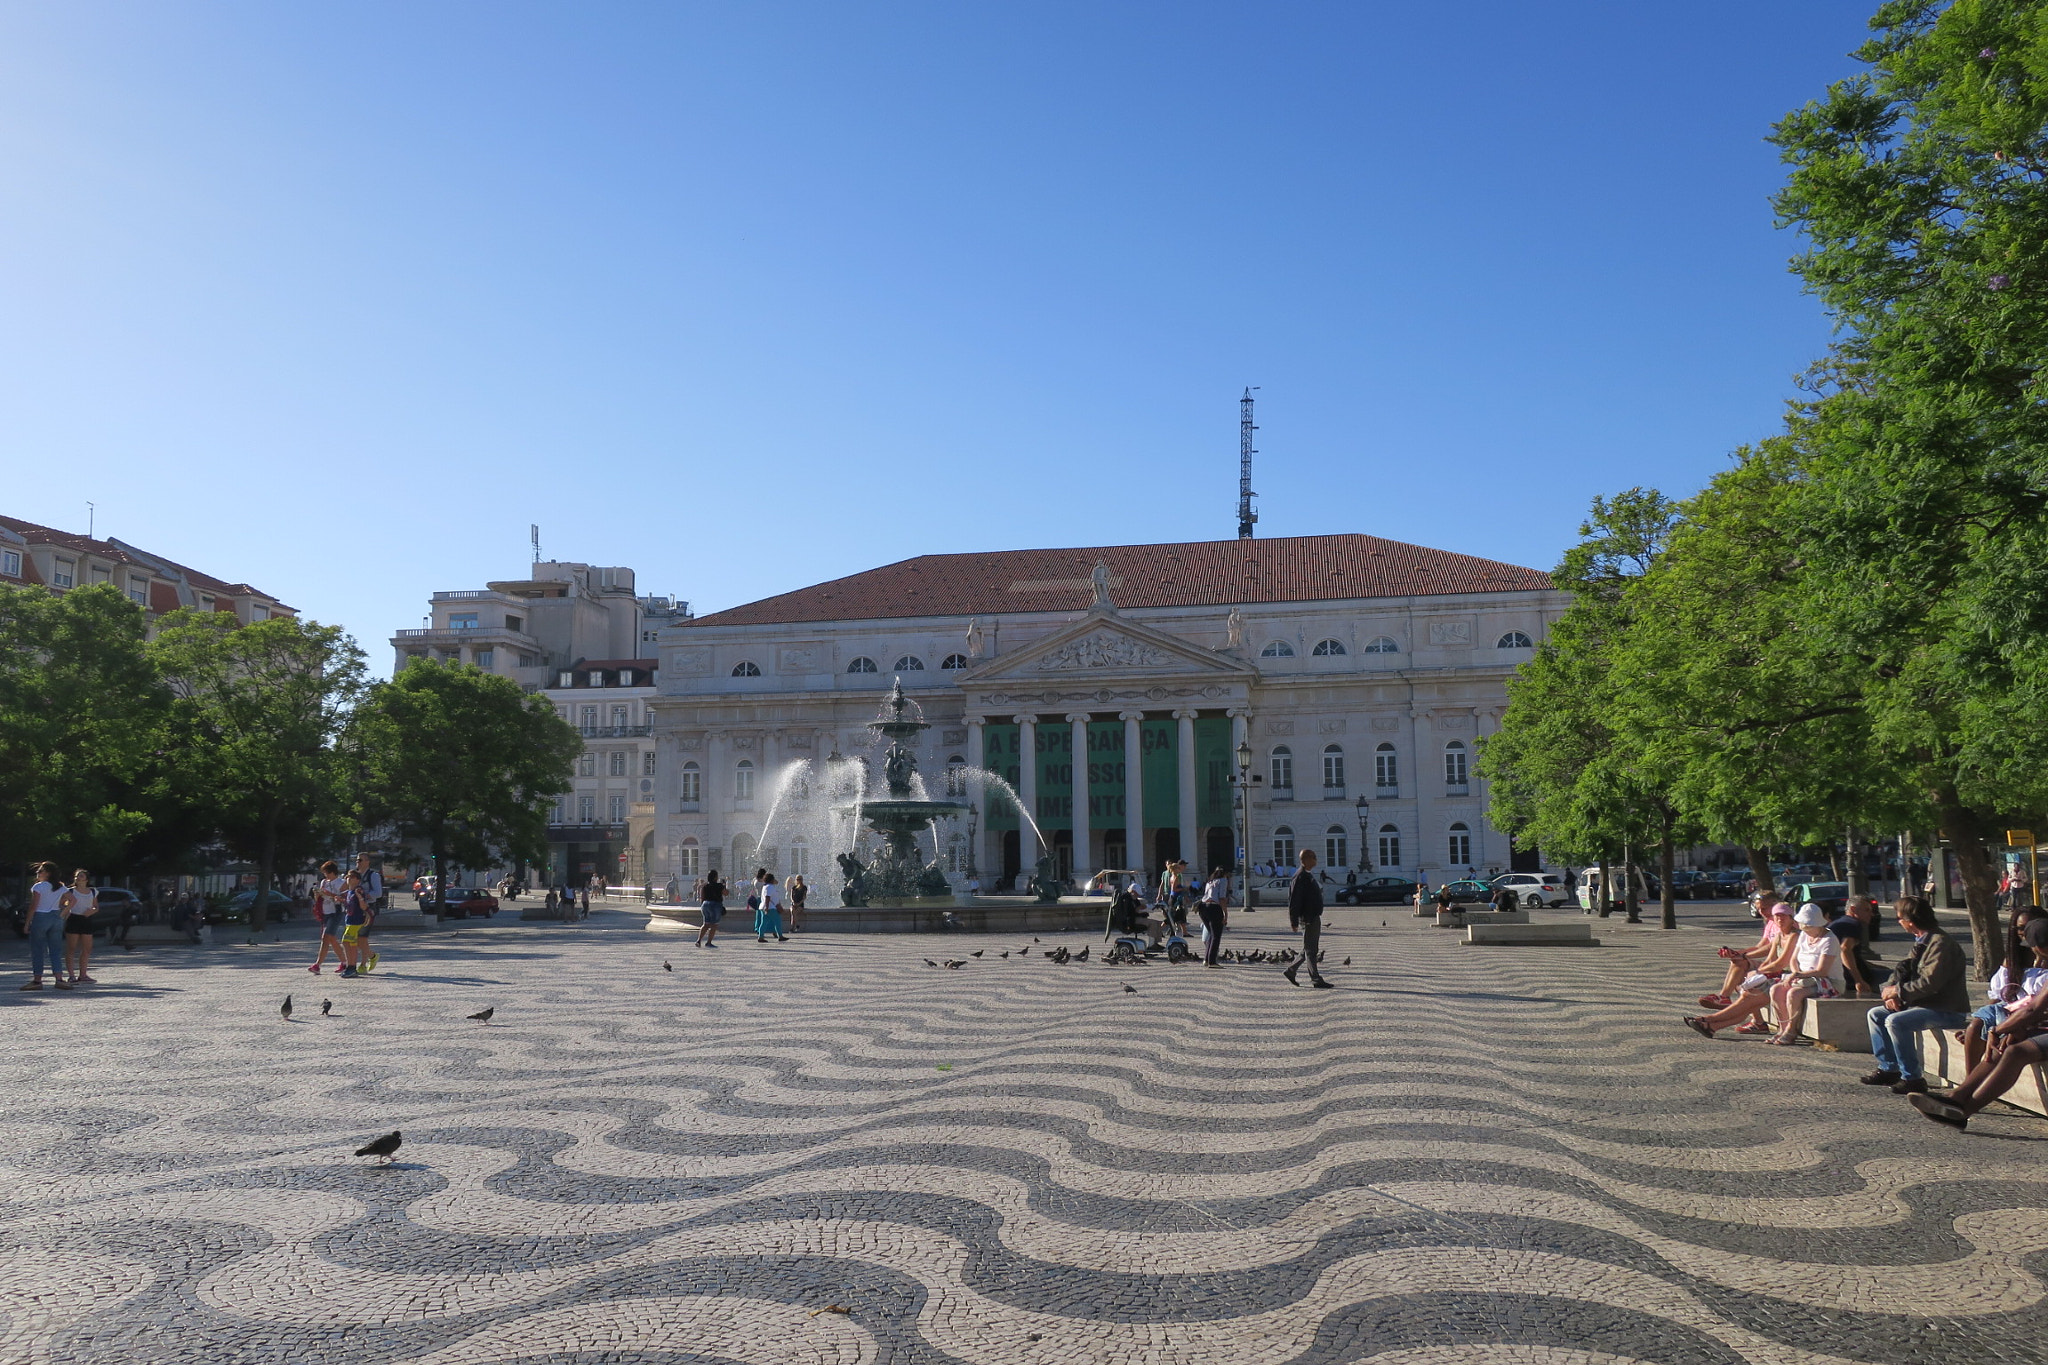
(586, 831)
(464, 595)
(1333, 791)
(1457, 789)
(1388, 791)
(616, 731)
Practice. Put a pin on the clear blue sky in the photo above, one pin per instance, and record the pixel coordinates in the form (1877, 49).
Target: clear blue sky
(339, 298)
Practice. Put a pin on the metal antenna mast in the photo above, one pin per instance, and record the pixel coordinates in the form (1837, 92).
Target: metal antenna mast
(1246, 517)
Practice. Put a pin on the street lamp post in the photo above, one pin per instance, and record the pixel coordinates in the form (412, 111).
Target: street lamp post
(1363, 862)
(1244, 820)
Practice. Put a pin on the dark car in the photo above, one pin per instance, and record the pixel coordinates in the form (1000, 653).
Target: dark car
(1730, 881)
(1829, 896)
(1465, 893)
(238, 906)
(1376, 891)
(469, 902)
(1690, 884)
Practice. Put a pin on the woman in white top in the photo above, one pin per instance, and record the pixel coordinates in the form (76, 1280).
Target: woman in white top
(1815, 973)
(44, 925)
(768, 919)
(80, 903)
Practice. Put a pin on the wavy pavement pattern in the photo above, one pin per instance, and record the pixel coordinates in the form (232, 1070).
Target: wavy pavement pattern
(1458, 1155)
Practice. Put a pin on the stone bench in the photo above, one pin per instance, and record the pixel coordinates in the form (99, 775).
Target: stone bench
(1531, 935)
(1941, 1059)
(1842, 1022)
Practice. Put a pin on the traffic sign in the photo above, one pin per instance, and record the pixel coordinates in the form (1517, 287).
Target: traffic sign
(2019, 838)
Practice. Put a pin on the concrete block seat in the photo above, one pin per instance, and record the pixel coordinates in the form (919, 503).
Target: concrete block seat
(1570, 935)
(1843, 1022)
(1941, 1061)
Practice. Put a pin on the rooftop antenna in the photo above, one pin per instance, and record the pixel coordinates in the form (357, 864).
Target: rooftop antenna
(90, 512)
(535, 529)
(1246, 517)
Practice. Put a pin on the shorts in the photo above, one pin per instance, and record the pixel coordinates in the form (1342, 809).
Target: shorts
(332, 925)
(714, 911)
(353, 933)
(1815, 988)
(1756, 983)
(78, 924)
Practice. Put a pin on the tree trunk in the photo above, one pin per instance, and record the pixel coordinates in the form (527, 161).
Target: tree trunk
(440, 876)
(259, 907)
(1667, 898)
(1859, 881)
(1760, 867)
(1959, 825)
(1604, 902)
(1630, 902)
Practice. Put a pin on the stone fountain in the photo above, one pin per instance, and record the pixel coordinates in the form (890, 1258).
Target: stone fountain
(899, 876)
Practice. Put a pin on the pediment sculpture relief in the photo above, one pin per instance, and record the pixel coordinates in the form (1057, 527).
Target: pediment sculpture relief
(1102, 650)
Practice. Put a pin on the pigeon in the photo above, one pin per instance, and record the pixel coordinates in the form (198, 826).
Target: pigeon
(1347, 962)
(1081, 956)
(1034, 938)
(1129, 989)
(483, 1016)
(956, 963)
(929, 963)
(665, 967)
(327, 1007)
(1006, 957)
(977, 952)
(383, 1146)
(285, 1011)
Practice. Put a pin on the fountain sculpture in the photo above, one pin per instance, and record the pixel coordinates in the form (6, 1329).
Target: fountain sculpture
(899, 875)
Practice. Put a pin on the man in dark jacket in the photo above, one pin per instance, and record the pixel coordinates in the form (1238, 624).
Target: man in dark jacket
(1928, 991)
(1305, 913)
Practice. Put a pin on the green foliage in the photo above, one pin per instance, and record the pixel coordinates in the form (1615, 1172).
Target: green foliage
(81, 724)
(461, 759)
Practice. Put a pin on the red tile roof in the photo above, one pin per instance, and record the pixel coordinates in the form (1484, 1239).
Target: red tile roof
(113, 550)
(1201, 573)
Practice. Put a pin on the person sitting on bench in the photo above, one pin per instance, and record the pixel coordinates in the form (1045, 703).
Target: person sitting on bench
(2018, 1043)
(1928, 991)
(1778, 927)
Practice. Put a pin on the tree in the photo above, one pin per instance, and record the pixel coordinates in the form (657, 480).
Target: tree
(461, 760)
(258, 708)
(81, 722)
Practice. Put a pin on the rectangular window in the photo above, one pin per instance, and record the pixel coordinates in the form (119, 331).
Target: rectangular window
(512, 623)
(1283, 849)
(462, 620)
(565, 679)
(1386, 772)
(586, 809)
(686, 861)
(1283, 770)
(1336, 851)
(618, 768)
(647, 763)
(1454, 767)
(800, 860)
(259, 612)
(138, 591)
(1333, 770)
(621, 717)
(1390, 851)
(485, 658)
(561, 811)
(102, 574)
(1461, 847)
(743, 782)
(206, 601)
(590, 720)
(618, 808)
(586, 765)
(10, 563)
(62, 577)
(691, 787)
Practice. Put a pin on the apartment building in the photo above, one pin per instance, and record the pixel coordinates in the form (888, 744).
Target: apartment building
(41, 556)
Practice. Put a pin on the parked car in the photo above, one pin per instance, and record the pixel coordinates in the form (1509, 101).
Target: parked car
(1376, 891)
(1729, 882)
(1691, 884)
(1829, 896)
(238, 907)
(1465, 893)
(1534, 888)
(471, 902)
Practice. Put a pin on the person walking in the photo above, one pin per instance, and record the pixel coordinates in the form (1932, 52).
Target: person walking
(768, 917)
(327, 913)
(44, 925)
(1214, 908)
(1305, 916)
(81, 902)
(370, 887)
(713, 909)
(797, 892)
(355, 923)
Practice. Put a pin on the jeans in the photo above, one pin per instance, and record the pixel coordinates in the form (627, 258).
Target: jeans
(46, 940)
(1311, 945)
(1212, 921)
(1894, 1035)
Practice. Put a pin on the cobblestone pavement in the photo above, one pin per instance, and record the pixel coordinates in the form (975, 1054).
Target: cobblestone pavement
(1461, 1154)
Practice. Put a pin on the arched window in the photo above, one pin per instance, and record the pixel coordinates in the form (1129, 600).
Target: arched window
(746, 668)
(743, 780)
(1390, 846)
(1277, 649)
(954, 661)
(799, 857)
(1336, 852)
(1283, 768)
(1454, 764)
(862, 665)
(1324, 648)
(1283, 846)
(743, 846)
(910, 663)
(688, 860)
(1461, 845)
(690, 786)
(1383, 644)
(1514, 639)
(1333, 766)
(1386, 769)
(956, 776)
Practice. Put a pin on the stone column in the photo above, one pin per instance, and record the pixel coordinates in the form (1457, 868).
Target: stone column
(1027, 792)
(716, 757)
(1083, 858)
(1135, 853)
(1190, 837)
(977, 759)
(1431, 850)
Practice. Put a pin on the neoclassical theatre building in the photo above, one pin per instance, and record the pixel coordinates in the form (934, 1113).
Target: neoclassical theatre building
(1112, 688)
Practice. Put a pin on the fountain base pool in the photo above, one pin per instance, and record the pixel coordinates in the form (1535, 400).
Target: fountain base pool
(920, 915)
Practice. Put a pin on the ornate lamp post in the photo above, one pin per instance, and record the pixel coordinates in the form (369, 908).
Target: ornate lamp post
(1244, 820)
(1363, 862)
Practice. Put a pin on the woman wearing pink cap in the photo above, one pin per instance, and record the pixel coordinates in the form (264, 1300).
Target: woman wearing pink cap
(1755, 988)
(1741, 963)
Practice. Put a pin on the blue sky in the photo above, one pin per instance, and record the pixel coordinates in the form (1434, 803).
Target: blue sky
(339, 298)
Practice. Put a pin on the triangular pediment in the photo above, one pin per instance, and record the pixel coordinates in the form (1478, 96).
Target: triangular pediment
(1105, 645)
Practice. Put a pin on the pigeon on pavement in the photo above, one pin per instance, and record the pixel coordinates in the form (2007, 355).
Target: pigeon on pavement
(483, 1016)
(929, 963)
(383, 1146)
(1129, 989)
(665, 967)
(285, 1011)
(977, 952)
(326, 1006)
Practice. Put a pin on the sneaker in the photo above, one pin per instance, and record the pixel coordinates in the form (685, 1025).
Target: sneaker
(62, 984)
(1322, 985)
(1754, 1026)
(1881, 1078)
(759, 939)
(1911, 1085)
(373, 963)
(1714, 1002)
(1292, 980)
(83, 980)
(346, 971)
(1940, 1111)
(781, 938)
(314, 969)
(35, 985)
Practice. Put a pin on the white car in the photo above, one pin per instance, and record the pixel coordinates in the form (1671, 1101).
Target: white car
(1535, 888)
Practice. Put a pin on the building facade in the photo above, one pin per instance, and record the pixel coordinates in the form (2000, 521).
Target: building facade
(1114, 689)
(38, 556)
(604, 824)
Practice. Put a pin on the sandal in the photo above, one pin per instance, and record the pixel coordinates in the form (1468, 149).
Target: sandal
(1698, 1026)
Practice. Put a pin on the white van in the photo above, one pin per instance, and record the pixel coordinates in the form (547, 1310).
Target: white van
(1589, 888)
(1534, 888)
